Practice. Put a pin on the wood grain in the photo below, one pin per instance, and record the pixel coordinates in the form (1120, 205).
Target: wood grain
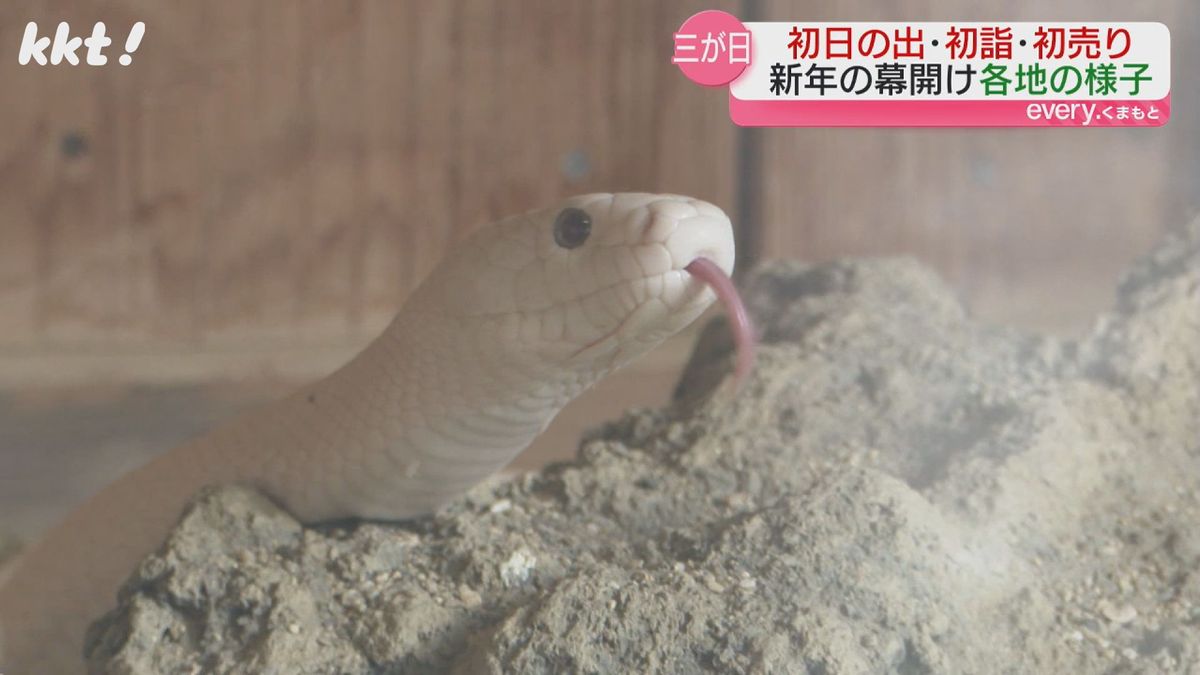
(282, 173)
(278, 175)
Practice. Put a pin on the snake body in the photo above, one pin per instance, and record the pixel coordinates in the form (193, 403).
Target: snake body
(515, 322)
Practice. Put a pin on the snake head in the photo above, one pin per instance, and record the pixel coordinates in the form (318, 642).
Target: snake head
(584, 285)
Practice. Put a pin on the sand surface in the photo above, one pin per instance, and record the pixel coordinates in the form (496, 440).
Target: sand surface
(898, 489)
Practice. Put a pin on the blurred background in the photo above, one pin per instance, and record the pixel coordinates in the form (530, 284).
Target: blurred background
(247, 204)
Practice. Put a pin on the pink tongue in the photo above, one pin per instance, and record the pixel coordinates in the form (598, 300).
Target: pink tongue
(744, 338)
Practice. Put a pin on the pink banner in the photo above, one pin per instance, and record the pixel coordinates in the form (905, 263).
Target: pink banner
(975, 113)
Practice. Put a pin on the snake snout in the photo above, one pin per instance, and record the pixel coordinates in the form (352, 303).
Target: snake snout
(687, 228)
(701, 236)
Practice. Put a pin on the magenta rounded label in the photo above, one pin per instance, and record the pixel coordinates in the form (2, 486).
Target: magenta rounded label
(712, 48)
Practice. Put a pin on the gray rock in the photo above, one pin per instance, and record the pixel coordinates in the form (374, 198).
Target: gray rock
(899, 489)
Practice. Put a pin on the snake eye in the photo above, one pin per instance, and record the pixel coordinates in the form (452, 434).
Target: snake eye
(572, 227)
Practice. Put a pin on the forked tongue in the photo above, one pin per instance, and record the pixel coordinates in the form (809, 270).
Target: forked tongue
(744, 337)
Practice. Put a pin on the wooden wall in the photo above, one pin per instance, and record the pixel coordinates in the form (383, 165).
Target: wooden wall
(268, 174)
(268, 179)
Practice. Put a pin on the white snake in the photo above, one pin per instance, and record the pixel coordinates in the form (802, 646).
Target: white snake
(516, 321)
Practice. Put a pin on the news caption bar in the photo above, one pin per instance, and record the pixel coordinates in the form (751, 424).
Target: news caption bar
(932, 74)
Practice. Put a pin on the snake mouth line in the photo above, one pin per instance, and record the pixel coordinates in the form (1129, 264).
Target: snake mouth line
(745, 338)
(618, 328)
(610, 334)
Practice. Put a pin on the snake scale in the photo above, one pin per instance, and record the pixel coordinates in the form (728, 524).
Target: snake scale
(517, 320)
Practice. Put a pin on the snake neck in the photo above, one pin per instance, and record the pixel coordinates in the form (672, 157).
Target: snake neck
(433, 406)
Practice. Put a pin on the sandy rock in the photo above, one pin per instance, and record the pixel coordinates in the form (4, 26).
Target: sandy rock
(899, 489)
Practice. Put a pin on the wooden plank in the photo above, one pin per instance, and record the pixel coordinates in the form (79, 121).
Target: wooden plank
(22, 122)
(257, 129)
(326, 271)
(84, 278)
(1032, 226)
(533, 103)
(288, 171)
(167, 236)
